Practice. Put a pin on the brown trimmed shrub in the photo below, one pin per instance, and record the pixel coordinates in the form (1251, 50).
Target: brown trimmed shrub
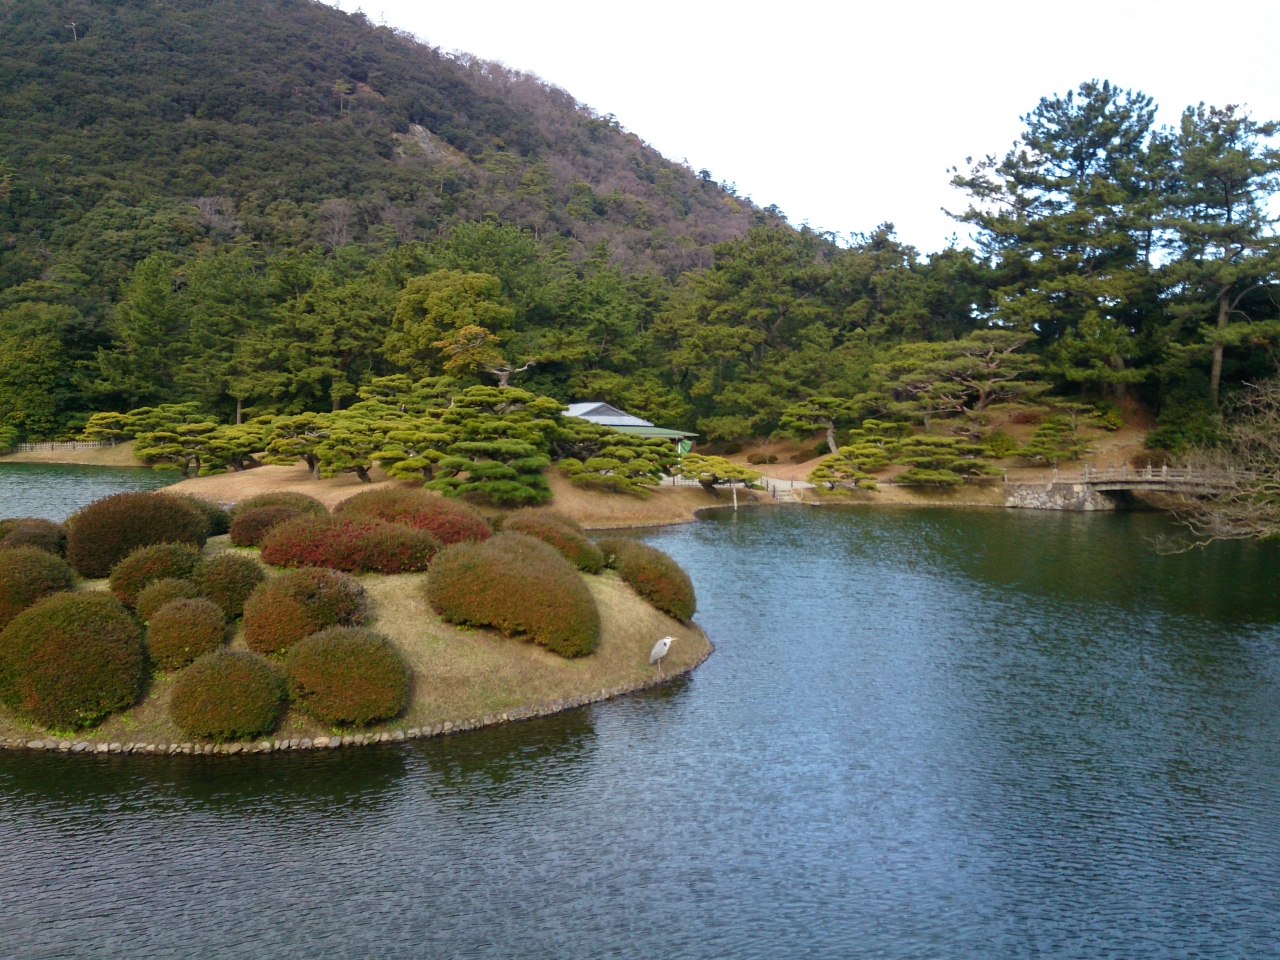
(519, 585)
(449, 521)
(218, 521)
(296, 604)
(106, 531)
(653, 575)
(146, 565)
(26, 575)
(227, 695)
(347, 676)
(294, 501)
(33, 532)
(250, 526)
(156, 594)
(71, 659)
(184, 629)
(355, 544)
(560, 532)
(228, 580)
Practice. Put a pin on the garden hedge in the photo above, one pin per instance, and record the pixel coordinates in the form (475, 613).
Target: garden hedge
(227, 695)
(71, 659)
(250, 526)
(519, 585)
(144, 566)
(450, 521)
(298, 603)
(218, 521)
(28, 574)
(560, 532)
(33, 532)
(159, 592)
(352, 543)
(347, 676)
(106, 531)
(653, 575)
(184, 629)
(228, 580)
(294, 501)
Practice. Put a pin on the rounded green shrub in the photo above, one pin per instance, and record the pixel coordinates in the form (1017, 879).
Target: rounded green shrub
(26, 575)
(184, 629)
(33, 532)
(250, 526)
(653, 575)
(294, 501)
(449, 521)
(560, 532)
(71, 659)
(519, 585)
(106, 531)
(298, 603)
(218, 520)
(227, 695)
(146, 565)
(354, 544)
(347, 676)
(159, 592)
(228, 580)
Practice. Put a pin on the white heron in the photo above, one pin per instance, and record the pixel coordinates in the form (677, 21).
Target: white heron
(659, 651)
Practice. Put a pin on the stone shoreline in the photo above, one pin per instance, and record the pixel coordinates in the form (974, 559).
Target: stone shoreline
(337, 741)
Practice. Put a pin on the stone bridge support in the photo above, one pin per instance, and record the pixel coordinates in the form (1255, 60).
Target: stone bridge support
(1062, 495)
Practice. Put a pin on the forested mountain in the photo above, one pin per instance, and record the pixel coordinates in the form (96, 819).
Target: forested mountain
(271, 207)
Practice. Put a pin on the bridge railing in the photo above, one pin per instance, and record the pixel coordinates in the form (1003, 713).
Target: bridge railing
(1089, 473)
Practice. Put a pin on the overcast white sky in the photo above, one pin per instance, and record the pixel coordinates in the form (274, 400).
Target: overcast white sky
(849, 114)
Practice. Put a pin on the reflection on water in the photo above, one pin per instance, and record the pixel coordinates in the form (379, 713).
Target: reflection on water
(923, 734)
(57, 490)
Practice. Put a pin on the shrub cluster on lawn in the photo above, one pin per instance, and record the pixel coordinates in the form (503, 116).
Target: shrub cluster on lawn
(228, 580)
(294, 501)
(106, 531)
(144, 566)
(217, 520)
(653, 575)
(250, 526)
(352, 543)
(33, 532)
(28, 574)
(71, 659)
(450, 521)
(227, 695)
(159, 592)
(560, 532)
(298, 603)
(519, 585)
(184, 629)
(346, 675)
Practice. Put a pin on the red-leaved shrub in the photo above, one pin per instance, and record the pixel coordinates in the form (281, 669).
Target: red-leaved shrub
(227, 695)
(653, 575)
(159, 592)
(354, 544)
(33, 532)
(184, 629)
(519, 585)
(345, 675)
(450, 521)
(294, 501)
(560, 532)
(26, 575)
(228, 580)
(296, 604)
(250, 526)
(106, 531)
(217, 520)
(144, 566)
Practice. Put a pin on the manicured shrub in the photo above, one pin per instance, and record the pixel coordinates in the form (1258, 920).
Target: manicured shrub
(218, 520)
(450, 521)
(250, 526)
(26, 575)
(228, 580)
(562, 533)
(653, 575)
(519, 585)
(33, 532)
(345, 675)
(106, 531)
(355, 544)
(294, 501)
(227, 695)
(159, 592)
(146, 565)
(71, 659)
(184, 629)
(298, 603)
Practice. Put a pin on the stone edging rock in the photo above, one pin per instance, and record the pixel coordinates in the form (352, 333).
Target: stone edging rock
(350, 740)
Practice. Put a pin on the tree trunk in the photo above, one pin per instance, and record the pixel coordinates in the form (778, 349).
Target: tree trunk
(337, 404)
(313, 464)
(239, 410)
(831, 437)
(1215, 372)
(1117, 389)
(363, 474)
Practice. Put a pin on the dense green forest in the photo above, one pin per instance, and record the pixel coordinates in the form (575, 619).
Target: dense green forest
(273, 207)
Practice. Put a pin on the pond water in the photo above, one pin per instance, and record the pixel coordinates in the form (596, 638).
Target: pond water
(57, 490)
(928, 733)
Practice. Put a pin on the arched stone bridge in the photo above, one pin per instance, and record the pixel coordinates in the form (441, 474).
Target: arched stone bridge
(1110, 489)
